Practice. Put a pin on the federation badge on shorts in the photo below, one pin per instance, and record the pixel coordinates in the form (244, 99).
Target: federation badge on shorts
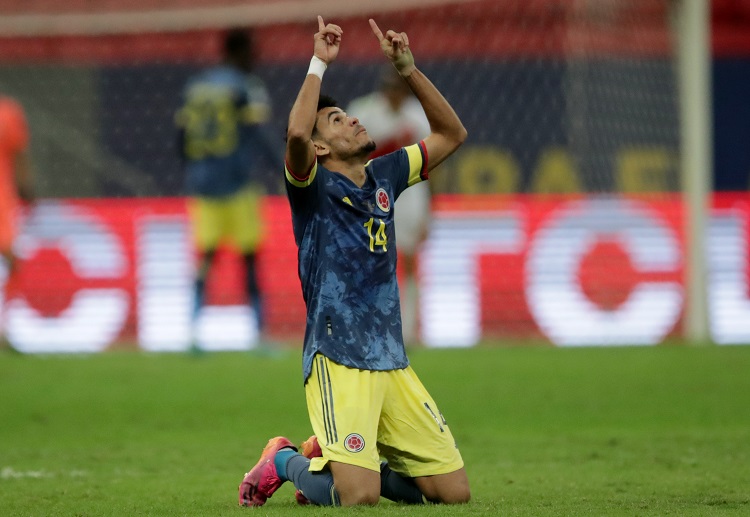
(382, 199)
(354, 442)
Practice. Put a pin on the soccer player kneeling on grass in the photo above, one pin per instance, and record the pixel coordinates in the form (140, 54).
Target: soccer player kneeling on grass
(363, 398)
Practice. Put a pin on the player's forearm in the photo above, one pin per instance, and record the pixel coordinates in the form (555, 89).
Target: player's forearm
(442, 118)
(304, 110)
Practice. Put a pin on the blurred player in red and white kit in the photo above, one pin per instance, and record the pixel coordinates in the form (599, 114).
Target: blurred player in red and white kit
(394, 119)
(15, 186)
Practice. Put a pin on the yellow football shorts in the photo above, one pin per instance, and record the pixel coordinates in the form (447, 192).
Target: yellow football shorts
(360, 416)
(236, 218)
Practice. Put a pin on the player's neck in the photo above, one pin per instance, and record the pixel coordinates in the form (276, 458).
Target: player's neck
(352, 169)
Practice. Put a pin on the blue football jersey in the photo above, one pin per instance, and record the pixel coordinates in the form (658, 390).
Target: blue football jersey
(347, 259)
(220, 108)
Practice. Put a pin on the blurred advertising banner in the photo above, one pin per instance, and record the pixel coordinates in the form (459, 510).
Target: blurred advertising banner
(596, 271)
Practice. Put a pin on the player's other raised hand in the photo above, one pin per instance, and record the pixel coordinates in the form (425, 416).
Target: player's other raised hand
(395, 46)
(327, 41)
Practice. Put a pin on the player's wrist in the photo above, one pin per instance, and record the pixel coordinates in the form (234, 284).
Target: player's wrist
(404, 63)
(407, 70)
(317, 67)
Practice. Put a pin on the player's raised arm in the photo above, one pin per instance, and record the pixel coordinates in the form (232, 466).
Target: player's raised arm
(447, 131)
(300, 151)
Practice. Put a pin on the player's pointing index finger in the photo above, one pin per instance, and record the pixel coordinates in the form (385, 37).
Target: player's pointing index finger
(376, 30)
(321, 25)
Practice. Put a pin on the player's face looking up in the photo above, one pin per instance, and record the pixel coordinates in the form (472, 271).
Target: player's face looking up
(340, 136)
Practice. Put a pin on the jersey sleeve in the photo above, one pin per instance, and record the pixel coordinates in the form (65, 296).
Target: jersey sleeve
(403, 168)
(302, 188)
(301, 180)
(417, 154)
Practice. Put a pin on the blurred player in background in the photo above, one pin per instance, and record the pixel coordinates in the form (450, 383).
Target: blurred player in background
(221, 138)
(363, 398)
(16, 186)
(394, 119)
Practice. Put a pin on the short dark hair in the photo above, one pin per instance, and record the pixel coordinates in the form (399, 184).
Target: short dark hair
(324, 101)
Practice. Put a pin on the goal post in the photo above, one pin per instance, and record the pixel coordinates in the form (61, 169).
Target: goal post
(692, 31)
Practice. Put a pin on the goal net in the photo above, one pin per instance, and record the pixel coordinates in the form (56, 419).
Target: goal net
(557, 219)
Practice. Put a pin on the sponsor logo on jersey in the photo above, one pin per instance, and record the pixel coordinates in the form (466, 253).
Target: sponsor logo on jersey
(382, 199)
(354, 442)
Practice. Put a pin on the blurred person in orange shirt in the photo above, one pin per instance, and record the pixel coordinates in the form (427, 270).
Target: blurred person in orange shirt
(16, 184)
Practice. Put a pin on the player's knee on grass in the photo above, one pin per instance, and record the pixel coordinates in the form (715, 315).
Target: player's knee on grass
(356, 485)
(450, 488)
(455, 495)
(355, 496)
(352, 492)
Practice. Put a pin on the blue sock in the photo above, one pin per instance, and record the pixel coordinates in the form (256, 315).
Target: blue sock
(316, 486)
(398, 488)
(280, 460)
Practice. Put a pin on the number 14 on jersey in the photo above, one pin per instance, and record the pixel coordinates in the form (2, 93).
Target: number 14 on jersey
(379, 237)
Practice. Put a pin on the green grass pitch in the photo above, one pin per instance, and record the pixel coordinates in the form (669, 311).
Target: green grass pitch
(543, 431)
